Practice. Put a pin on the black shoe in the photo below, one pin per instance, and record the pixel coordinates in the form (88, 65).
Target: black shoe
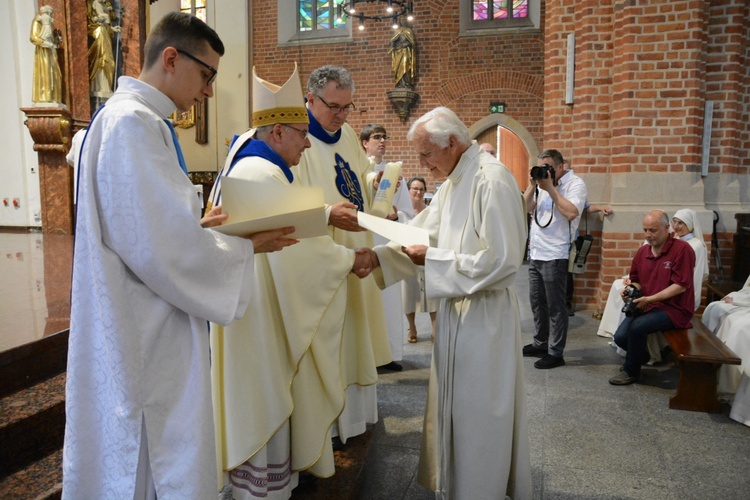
(537, 352)
(571, 312)
(392, 366)
(549, 361)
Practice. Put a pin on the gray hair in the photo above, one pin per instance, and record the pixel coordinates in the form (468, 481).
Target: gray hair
(441, 123)
(660, 215)
(320, 78)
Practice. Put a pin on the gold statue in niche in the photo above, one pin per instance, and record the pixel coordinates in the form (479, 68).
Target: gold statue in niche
(403, 61)
(101, 56)
(47, 86)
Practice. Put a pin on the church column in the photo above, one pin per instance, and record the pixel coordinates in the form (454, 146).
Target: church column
(51, 130)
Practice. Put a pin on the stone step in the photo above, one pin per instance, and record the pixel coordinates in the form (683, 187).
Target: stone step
(40, 480)
(32, 424)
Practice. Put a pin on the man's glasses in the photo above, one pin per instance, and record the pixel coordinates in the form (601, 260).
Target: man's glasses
(338, 109)
(379, 137)
(302, 133)
(213, 70)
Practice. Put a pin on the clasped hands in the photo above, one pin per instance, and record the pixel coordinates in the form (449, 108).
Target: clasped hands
(366, 260)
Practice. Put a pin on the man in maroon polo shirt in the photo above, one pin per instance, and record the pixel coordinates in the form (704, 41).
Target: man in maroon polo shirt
(663, 272)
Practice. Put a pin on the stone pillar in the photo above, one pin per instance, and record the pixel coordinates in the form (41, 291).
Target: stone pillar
(51, 129)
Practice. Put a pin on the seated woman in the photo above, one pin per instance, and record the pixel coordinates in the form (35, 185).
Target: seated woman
(734, 331)
(686, 227)
(716, 311)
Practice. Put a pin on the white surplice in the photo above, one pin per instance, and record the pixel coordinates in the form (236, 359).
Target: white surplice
(275, 371)
(146, 278)
(475, 440)
(337, 167)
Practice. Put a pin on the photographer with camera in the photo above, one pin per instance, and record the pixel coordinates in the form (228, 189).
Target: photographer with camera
(662, 272)
(555, 198)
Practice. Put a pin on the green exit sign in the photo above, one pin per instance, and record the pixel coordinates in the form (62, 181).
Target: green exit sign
(497, 107)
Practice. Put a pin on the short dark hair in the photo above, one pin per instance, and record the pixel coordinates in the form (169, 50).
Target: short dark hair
(552, 154)
(419, 179)
(370, 129)
(181, 31)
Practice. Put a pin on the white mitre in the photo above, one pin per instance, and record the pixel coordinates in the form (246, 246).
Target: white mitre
(273, 104)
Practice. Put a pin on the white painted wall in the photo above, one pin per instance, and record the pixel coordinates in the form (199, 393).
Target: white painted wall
(19, 176)
(228, 110)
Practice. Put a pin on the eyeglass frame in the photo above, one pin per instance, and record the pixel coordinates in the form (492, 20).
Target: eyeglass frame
(338, 109)
(379, 137)
(418, 189)
(210, 68)
(302, 133)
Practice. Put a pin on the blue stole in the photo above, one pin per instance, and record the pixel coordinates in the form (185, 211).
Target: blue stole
(260, 149)
(180, 157)
(317, 131)
(346, 181)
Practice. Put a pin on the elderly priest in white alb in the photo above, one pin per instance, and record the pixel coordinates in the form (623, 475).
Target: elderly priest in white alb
(475, 440)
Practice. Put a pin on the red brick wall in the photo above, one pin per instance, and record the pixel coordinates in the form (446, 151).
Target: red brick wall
(464, 74)
(643, 72)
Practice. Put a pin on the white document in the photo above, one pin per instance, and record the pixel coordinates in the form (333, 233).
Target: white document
(402, 234)
(253, 207)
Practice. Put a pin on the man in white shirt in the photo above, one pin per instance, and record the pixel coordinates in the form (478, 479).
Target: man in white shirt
(555, 197)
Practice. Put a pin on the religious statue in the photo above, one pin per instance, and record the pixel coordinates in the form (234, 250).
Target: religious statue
(403, 64)
(101, 56)
(47, 86)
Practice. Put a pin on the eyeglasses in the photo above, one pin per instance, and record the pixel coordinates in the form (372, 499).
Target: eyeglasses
(213, 70)
(419, 190)
(338, 109)
(302, 133)
(379, 137)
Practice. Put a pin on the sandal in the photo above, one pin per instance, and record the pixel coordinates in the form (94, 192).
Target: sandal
(412, 338)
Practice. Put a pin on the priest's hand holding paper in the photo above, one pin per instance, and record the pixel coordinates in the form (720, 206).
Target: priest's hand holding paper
(273, 240)
(214, 217)
(344, 216)
(416, 253)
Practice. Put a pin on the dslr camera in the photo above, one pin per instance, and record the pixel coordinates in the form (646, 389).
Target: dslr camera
(543, 172)
(631, 293)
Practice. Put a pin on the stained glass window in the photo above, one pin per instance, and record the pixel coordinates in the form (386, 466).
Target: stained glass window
(483, 10)
(194, 7)
(319, 15)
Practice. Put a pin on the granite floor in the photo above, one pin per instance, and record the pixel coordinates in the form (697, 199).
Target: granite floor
(588, 439)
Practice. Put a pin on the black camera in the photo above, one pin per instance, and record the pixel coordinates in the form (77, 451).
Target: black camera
(631, 293)
(543, 172)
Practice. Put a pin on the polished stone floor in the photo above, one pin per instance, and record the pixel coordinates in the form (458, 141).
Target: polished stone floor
(588, 439)
(35, 296)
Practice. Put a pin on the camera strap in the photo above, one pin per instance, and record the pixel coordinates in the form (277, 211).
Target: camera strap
(551, 213)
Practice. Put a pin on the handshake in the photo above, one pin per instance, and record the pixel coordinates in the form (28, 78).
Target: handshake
(365, 261)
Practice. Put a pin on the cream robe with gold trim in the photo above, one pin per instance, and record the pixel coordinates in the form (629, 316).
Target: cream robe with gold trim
(365, 345)
(280, 361)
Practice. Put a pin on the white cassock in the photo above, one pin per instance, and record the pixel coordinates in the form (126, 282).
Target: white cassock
(735, 379)
(341, 169)
(475, 439)
(146, 278)
(715, 312)
(275, 371)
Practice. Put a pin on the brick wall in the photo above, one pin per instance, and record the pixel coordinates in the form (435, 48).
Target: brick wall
(464, 74)
(643, 71)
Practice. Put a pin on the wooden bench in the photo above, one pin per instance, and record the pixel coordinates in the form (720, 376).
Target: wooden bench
(699, 355)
